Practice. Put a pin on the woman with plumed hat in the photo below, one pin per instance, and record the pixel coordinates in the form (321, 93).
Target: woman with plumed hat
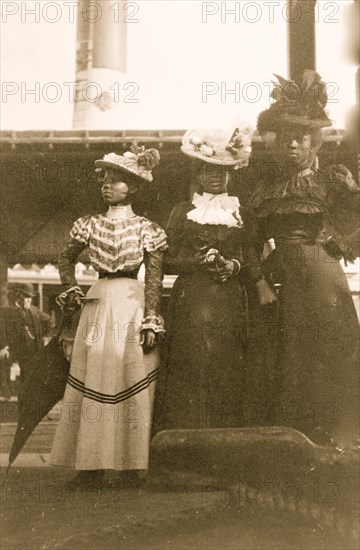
(201, 384)
(303, 361)
(107, 407)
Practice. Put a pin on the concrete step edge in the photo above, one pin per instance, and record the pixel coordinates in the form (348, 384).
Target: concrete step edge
(26, 460)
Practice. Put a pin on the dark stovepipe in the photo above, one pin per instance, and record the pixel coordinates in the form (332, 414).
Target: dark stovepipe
(301, 17)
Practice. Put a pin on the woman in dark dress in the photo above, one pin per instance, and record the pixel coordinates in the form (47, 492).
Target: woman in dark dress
(202, 382)
(306, 374)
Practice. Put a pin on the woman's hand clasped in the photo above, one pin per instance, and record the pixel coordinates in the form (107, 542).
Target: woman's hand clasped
(200, 258)
(220, 268)
(226, 270)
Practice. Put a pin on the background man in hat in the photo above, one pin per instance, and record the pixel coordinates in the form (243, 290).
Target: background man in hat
(5, 366)
(22, 326)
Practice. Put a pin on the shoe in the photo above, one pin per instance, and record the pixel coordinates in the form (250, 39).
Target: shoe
(129, 479)
(321, 437)
(89, 478)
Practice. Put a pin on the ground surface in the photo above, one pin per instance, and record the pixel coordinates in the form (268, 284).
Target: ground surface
(40, 511)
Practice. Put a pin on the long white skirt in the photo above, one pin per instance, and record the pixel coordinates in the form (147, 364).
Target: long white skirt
(106, 414)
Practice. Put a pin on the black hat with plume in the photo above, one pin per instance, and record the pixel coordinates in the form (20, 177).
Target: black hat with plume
(300, 103)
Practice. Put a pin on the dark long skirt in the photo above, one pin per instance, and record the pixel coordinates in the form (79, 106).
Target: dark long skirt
(201, 383)
(303, 362)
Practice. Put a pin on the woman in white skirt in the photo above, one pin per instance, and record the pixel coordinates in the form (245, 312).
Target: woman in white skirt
(107, 408)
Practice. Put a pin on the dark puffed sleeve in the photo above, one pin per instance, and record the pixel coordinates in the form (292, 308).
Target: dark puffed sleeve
(343, 213)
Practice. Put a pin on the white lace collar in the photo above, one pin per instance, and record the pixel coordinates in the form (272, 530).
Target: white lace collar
(215, 210)
(120, 212)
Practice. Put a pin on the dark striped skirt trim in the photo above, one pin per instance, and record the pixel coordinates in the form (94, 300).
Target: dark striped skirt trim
(118, 397)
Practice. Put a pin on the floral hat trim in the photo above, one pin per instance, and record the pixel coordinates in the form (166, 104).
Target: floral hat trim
(300, 103)
(215, 146)
(138, 161)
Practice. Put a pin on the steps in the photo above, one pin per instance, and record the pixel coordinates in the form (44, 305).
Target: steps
(40, 441)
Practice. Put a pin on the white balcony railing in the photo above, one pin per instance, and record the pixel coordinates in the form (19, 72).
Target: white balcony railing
(49, 275)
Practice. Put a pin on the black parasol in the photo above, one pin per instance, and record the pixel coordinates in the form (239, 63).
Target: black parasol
(44, 388)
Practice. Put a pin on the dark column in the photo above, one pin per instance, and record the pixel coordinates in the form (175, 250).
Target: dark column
(301, 36)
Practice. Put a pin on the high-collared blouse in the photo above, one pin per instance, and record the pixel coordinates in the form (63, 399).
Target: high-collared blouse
(118, 244)
(119, 241)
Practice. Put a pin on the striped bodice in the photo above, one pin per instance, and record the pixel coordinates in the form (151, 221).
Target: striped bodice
(118, 243)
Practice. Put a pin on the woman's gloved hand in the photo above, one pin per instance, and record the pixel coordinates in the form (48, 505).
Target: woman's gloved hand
(219, 267)
(199, 259)
(266, 294)
(4, 352)
(226, 270)
(147, 340)
(72, 304)
(70, 300)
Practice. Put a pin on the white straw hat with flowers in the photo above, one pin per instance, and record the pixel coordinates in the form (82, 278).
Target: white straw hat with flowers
(219, 146)
(138, 162)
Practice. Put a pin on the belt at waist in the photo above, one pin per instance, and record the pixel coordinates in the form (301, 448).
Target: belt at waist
(117, 274)
(296, 237)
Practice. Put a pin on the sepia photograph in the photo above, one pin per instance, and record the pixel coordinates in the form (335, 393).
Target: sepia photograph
(180, 275)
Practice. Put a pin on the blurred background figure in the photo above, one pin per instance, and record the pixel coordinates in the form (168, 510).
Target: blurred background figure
(5, 366)
(23, 328)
